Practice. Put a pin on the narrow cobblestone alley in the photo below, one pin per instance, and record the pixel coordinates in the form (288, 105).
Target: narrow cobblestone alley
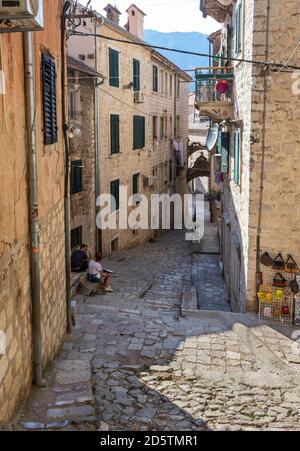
(133, 363)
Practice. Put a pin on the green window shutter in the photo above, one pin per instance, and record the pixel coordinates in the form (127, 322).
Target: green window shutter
(76, 176)
(49, 99)
(229, 40)
(238, 28)
(115, 192)
(138, 132)
(135, 183)
(223, 142)
(113, 68)
(136, 75)
(114, 133)
(236, 156)
(155, 78)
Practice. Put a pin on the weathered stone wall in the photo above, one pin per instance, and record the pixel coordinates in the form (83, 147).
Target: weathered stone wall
(281, 194)
(83, 204)
(236, 197)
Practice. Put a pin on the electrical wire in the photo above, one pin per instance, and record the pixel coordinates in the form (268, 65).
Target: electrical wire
(186, 52)
(289, 58)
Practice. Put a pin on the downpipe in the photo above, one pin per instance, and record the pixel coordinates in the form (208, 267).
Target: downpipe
(29, 63)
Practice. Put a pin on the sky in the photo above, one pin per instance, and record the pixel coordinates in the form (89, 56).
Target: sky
(165, 15)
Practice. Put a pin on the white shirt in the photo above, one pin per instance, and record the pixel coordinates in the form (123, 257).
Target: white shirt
(94, 268)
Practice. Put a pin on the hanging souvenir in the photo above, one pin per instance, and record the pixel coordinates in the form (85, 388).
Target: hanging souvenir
(278, 294)
(277, 312)
(268, 312)
(278, 262)
(279, 281)
(266, 259)
(290, 265)
(294, 286)
(285, 309)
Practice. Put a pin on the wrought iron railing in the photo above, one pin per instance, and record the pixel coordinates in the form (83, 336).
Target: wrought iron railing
(214, 84)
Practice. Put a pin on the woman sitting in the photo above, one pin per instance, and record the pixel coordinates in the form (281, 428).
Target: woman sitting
(96, 273)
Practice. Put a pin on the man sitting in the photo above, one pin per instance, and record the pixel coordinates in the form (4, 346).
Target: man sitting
(96, 273)
(79, 259)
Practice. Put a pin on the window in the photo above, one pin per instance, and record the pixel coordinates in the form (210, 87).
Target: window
(166, 127)
(115, 192)
(236, 156)
(171, 127)
(155, 135)
(136, 184)
(49, 100)
(171, 171)
(162, 132)
(114, 68)
(138, 132)
(223, 149)
(238, 28)
(76, 237)
(166, 84)
(114, 133)
(171, 86)
(178, 89)
(76, 176)
(136, 75)
(162, 82)
(114, 245)
(72, 104)
(155, 78)
(177, 126)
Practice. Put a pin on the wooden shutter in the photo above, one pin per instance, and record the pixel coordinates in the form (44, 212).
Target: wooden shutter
(155, 78)
(135, 183)
(76, 176)
(49, 100)
(114, 133)
(238, 28)
(115, 192)
(236, 151)
(136, 75)
(113, 68)
(138, 132)
(224, 146)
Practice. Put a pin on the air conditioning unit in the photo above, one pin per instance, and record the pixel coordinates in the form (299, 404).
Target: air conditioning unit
(139, 97)
(21, 15)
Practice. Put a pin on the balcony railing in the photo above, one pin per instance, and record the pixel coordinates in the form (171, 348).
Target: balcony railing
(214, 92)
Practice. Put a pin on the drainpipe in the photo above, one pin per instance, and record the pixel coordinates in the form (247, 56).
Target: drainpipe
(67, 168)
(29, 63)
(263, 145)
(175, 128)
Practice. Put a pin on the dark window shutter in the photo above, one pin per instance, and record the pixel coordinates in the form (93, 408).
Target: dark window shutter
(114, 133)
(49, 100)
(115, 192)
(76, 177)
(236, 153)
(76, 237)
(229, 40)
(238, 28)
(136, 75)
(113, 68)
(155, 78)
(135, 183)
(223, 142)
(139, 137)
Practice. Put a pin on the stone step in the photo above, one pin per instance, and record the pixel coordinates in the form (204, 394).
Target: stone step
(189, 303)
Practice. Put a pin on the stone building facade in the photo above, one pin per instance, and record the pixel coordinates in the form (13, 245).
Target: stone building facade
(82, 82)
(260, 186)
(143, 107)
(16, 359)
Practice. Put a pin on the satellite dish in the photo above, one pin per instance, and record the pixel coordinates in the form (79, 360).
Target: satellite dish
(212, 137)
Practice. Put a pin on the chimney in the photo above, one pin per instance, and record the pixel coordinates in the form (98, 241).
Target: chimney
(135, 23)
(112, 13)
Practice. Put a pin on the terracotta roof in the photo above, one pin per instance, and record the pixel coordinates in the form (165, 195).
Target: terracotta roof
(75, 64)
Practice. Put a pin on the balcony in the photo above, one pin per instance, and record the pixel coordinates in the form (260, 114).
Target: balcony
(214, 93)
(217, 9)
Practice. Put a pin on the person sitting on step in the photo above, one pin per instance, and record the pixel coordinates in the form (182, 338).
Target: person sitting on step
(97, 273)
(79, 259)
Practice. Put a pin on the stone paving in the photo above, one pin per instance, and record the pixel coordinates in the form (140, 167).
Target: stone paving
(133, 363)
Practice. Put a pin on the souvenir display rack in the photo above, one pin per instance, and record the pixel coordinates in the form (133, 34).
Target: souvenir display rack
(276, 304)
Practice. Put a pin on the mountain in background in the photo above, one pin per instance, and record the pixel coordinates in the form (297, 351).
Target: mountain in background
(191, 41)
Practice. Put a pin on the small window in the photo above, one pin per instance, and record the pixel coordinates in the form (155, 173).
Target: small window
(171, 171)
(114, 68)
(114, 133)
(223, 150)
(162, 82)
(115, 192)
(136, 75)
(171, 127)
(114, 245)
(72, 104)
(162, 131)
(177, 126)
(49, 100)
(136, 184)
(155, 135)
(155, 78)
(76, 237)
(171, 86)
(178, 89)
(138, 132)
(76, 176)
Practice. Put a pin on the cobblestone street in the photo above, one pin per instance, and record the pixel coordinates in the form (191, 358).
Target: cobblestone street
(134, 363)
